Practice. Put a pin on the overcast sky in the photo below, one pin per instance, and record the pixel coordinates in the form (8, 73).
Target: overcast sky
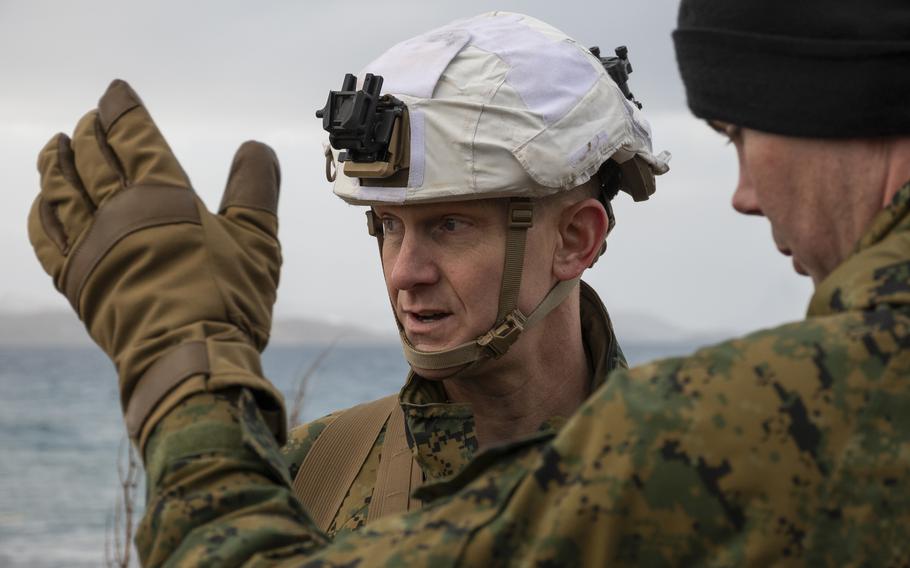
(216, 73)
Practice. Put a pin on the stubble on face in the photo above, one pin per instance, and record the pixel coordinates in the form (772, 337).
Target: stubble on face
(812, 191)
(442, 268)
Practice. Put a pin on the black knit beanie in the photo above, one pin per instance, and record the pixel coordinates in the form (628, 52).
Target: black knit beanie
(811, 68)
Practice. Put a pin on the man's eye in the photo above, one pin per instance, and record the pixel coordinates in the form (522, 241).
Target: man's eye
(449, 224)
(731, 131)
(390, 226)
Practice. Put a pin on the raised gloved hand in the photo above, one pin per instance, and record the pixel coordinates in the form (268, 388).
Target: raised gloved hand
(179, 298)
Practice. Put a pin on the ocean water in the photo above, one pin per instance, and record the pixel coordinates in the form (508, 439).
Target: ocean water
(61, 427)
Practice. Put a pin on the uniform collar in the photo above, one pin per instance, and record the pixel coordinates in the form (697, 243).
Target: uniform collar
(878, 270)
(441, 433)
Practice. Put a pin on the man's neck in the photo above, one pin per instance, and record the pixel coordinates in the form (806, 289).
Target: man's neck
(545, 375)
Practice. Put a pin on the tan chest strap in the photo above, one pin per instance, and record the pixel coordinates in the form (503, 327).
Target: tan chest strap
(338, 455)
(332, 464)
(398, 475)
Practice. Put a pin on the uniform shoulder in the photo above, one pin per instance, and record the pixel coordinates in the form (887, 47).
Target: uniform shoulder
(753, 352)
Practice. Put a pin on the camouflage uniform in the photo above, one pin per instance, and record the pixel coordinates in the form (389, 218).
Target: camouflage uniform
(787, 446)
(441, 434)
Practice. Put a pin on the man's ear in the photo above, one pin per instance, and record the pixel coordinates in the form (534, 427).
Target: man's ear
(582, 229)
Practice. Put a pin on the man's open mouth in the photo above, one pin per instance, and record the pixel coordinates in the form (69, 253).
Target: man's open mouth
(430, 317)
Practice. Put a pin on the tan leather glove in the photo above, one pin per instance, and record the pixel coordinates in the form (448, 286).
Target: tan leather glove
(179, 298)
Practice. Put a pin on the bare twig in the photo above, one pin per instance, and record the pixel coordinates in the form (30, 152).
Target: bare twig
(121, 523)
(304, 381)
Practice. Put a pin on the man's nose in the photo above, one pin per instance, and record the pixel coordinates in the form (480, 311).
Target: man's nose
(412, 264)
(745, 200)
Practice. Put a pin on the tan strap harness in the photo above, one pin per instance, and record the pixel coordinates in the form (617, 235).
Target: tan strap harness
(398, 475)
(338, 454)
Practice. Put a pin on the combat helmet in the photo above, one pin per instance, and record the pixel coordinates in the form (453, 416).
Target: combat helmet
(498, 105)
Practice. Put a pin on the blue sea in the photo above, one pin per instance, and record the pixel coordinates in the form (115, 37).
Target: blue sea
(61, 427)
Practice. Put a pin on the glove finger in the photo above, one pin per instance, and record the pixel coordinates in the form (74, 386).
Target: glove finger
(119, 145)
(135, 139)
(98, 167)
(251, 196)
(66, 209)
(46, 234)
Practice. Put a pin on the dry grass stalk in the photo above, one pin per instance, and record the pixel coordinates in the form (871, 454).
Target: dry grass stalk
(304, 381)
(118, 541)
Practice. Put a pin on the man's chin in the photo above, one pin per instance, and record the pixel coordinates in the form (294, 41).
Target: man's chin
(435, 342)
(430, 343)
(437, 374)
(799, 268)
(424, 346)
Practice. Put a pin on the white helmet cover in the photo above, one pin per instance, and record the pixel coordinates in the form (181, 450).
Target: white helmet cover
(502, 105)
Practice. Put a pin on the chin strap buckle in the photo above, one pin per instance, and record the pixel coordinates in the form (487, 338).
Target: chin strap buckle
(499, 339)
(521, 213)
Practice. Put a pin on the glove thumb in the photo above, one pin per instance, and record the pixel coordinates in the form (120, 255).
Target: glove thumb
(252, 187)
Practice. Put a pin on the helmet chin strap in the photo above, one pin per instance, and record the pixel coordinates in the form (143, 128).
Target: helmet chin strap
(510, 321)
(494, 343)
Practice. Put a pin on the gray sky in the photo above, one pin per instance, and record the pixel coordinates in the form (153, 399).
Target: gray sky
(214, 74)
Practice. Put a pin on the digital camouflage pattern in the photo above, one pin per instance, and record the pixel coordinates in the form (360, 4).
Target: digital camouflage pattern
(440, 433)
(788, 446)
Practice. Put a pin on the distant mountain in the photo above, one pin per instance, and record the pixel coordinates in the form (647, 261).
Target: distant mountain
(42, 328)
(295, 331)
(638, 327)
(63, 329)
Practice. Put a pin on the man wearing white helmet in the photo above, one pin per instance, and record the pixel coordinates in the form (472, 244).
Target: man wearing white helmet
(489, 169)
(489, 194)
(787, 446)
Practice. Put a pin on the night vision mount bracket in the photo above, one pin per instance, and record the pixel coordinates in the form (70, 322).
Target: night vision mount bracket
(368, 128)
(618, 68)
